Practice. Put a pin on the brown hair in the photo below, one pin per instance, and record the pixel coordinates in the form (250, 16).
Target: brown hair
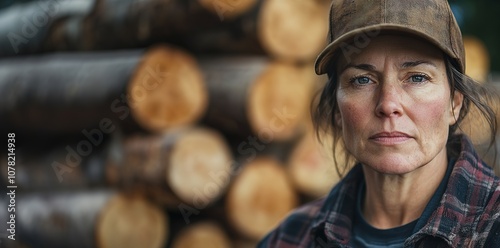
(324, 112)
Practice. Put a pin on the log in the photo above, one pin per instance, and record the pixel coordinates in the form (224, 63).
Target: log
(67, 93)
(295, 29)
(311, 165)
(56, 168)
(253, 95)
(283, 93)
(474, 124)
(259, 198)
(192, 165)
(25, 27)
(202, 26)
(476, 58)
(87, 219)
(204, 234)
(132, 23)
(228, 8)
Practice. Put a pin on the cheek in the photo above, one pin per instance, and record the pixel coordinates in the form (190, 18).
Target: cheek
(433, 115)
(353, 115)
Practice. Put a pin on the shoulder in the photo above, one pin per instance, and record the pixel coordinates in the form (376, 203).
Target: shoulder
(492, 211)
(295, 230)
(490, 219)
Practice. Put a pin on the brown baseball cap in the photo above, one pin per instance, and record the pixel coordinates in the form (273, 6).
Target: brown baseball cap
(354, 22)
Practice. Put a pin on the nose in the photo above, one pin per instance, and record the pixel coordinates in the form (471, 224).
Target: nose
(389, 100)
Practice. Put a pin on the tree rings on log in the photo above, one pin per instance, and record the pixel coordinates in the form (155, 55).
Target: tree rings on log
(260, 197)
(167, 90)
(205, 234)
(293, 29)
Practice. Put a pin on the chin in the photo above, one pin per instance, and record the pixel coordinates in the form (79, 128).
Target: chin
(391, 166)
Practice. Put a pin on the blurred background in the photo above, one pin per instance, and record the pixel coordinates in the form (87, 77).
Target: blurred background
(175, 123)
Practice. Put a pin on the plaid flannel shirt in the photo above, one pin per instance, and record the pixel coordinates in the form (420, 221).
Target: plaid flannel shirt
(468, 214)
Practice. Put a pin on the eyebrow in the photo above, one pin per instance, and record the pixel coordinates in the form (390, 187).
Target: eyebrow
(416, 63)
(366, 67)
(405, 65)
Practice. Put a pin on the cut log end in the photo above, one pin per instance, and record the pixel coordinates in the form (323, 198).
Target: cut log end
(167, 90)
(279, 100)
(227, 8)
(295, 29)
(260, 198)
(476, 59)
(204, 234)
(312, 167)
(131, 221)
(200, 167)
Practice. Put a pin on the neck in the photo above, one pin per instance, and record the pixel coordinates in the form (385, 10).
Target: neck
(395, 200)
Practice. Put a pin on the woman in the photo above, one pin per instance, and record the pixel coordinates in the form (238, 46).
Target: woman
(396, 96)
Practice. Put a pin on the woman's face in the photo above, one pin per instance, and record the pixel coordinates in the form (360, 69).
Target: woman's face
(395, 106)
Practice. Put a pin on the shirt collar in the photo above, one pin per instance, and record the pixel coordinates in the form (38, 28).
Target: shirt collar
(466, 195)
(456, 208)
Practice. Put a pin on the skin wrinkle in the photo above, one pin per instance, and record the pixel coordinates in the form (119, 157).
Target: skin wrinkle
(402, 177)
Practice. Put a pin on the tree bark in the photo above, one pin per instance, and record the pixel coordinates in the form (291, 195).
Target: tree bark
(259, 198)
(25, 27)
(87, 219)
(67, 93)
(192, 165)
(255, 96)
(62, 167)
(202, 26)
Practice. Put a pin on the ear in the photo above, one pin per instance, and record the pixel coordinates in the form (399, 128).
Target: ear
(456, 106)
(338, 119)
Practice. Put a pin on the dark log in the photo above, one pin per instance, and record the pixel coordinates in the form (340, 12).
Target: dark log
(290, 30)
(87, 219)
(191, 165)
(25, 27)
(269, 99)
(67, 166)
(70, 93)
(123, 24)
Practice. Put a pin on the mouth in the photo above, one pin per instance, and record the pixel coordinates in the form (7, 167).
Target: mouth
(390, 138)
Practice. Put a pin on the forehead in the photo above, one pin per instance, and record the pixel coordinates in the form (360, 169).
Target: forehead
(398, 48)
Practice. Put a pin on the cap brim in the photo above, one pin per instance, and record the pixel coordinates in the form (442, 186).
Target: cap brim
(370, 32)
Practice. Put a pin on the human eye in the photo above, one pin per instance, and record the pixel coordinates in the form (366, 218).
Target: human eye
(418, 78)
(360, 80)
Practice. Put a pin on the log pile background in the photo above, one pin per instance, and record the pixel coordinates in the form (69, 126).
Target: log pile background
(163, 123)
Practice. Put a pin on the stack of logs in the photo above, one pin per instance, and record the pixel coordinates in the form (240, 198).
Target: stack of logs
(161, 123)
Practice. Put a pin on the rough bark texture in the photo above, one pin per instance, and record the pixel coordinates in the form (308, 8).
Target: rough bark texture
(25, 27)
(256, 96)
(87, 219)
(67, 93)
(192, 165)
(58, 168)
